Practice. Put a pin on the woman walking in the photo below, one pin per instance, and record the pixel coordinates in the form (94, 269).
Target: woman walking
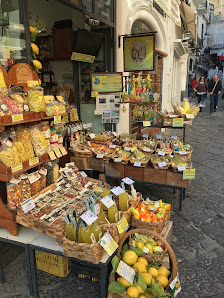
(201, 90)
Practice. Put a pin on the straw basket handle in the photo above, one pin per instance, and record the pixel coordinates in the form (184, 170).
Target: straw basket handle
(148, 232)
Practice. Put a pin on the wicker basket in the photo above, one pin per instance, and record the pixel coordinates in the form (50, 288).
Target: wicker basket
(79, 154)
(188, 153)
(143, 163)
(167, 116)
(123, 161)
(175, 169)
(170, 252)
(156, 166)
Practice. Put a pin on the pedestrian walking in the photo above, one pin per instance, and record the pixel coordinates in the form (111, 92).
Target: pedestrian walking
(201, 90)
(194, 83)
(214, 89)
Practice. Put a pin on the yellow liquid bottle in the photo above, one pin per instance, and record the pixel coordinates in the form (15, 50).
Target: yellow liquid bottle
(97, 231)
(113, 213)
(69, 229)
(102, 216)
(86, 235)
(123, 200)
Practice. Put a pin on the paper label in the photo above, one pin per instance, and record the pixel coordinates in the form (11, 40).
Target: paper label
(159, 136)
(58, 153)
(178, 122)
(33, 84)
(181, 169)
(52, 155)
(189, 116)
(89, 217)
(2, 81)
(4, 107)
(83, 174)
(146, 150)
(33, 161)
(126, 272)
(97, 210)
(100, 156)
(33, 177)
(122, 225)
(145, 136)
(94, 94)
(28, 205)
(63, 151)
(92, 135)
(182, 152)
(127, 148)
(112, 146)
(173, 137)
(43, 171)
(107, 201)
(172, 116)
(114, 133)
(18, 117)
(117, 190)
(146, 123)
(118, 160)
(176, 286)
(17, 167)
(108, 243)
(16, 180)
(161, 164)
(161, 153)
(189, 174)
(137, 164)
(57, 119)
(128, 181)
(145, 249)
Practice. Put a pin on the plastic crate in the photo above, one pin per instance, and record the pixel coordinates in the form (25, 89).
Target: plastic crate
(53, 264)
(88, 272)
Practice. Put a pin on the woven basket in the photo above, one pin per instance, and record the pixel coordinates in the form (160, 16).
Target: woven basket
(175, 169)
(167, 116)
(170, 252)
(123, 161)
(188, 153)
(156, 166)
(143, 163)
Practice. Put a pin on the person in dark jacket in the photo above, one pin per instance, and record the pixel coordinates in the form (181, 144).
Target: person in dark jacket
(214, 89)
(201, 90)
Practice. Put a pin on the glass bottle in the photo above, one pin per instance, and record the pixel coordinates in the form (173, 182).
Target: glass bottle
(113, 213)
(69, 229)
(123, 199)
(85, 232)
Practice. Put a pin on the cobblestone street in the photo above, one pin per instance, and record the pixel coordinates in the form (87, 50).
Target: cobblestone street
(198, 239)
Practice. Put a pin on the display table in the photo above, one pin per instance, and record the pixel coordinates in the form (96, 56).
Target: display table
(32, 240)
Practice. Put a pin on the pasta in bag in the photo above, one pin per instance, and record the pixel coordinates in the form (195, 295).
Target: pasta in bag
(38, 140)
(35, 99)
(24, 136)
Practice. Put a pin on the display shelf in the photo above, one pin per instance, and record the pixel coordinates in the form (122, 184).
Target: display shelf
(142, 102)
(25, 235)
(7, 219)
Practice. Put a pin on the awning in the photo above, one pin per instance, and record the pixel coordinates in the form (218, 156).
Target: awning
(188, 17)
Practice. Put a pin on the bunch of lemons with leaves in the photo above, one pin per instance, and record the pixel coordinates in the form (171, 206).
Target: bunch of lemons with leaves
(150, 279)
(35, 29)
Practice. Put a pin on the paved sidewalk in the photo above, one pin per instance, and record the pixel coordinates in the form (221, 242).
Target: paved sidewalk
(198, 239)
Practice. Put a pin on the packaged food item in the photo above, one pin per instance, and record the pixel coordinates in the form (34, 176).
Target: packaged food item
(24, 136)
(3, 88)
(25, 187)
(4, 110)
(13, 193)
(45, 129)
(50, 178)
(34, 179)
(43, 179)
(35, 99)
(54, 139)
(55, 170)
(11, 105)
(22, 154)
(60, 140)
(38, 140)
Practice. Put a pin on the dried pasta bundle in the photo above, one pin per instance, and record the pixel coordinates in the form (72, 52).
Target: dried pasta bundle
(23, 134)
(6, 157)
(21, 151)
(38, 140)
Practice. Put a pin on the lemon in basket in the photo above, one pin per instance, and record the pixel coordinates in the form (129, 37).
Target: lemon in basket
(130, 257)
(164, 271)
(153, 271)
(147, 277)
(140, 266)
(133, 292)
(162, 280)
(140, 290)
(143, 261)
(140, 244)
(124, 281)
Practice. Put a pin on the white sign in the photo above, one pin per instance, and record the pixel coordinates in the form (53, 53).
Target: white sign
(117, 160)
(173, 137)
(146, 150)
(117, 190)
(83, 174)
(182, 152)
(159, 136)
(145, 136)
(161, 153)
(137, 164)
(100, 156)
(112, 146)
(89, 217)
(181, 169)
(128, 181)
(107, 201)
(172, 116)
(92, 135)
(108, 243)
(161, 164)
(28, 205)
(127, 148)
(126, 272)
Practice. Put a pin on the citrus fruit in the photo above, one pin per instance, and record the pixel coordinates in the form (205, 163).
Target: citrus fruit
(140, 245)
(143, 261)
(141, 267)
(35, 48)
(153, 271)
(147, 277)
(164, 271)
(33, 29)
(123, 281)
(132, 292)
(162, 280)
(140, 291)
(130, 257)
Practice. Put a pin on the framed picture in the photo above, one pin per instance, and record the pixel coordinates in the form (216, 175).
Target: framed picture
(107, 82)
(139, 52)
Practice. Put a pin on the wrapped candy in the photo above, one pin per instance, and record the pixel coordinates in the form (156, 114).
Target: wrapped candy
(35, 99)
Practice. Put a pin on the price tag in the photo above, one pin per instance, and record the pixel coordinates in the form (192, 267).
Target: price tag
(83, 174)
(126, 272)
(63, 151)
(128, 181)
(2, 81)
(181, 169)
(18, 117)
(145, 136)
(172, 116)
(173, 137)
(17, 167)
(161, 164)
(112, 146)
(182, 152)
(89, 217)
(146, 123)
(52, 155)
(189, 174)
(127, 148)
(122, 225)
(161, 153)
(178, 122)
(159, 136)
(58, 153)
(33, 161)
(57, 119)
(108, 243)
(145, 249)
(114, 133)
(117, 190)
(117, 160)
(33, 84)
(176, 286)
(92, 135)
(189, 116)
(28, 205)
(137, 164)
(146, 150)
(100, 156)
(107, 201)
(94, 94)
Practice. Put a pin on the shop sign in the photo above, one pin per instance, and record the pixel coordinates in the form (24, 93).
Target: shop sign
(107, 82)
(24, 73)
(189, 174)
(171, 8)
(82, 57)
(139, 52)
(178, 122)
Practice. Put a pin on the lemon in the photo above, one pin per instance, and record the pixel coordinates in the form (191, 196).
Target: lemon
(153, 271)
(141, 267)
(162, 280)
(132, 292)
(140, 245)
(140, 291)
(33, 29)
(37, 64)
(35, 48)
(153, 280)
(143, 261)
(123, 281)
(130, 257)
(149, 246)
(147, 277)
(164, 271)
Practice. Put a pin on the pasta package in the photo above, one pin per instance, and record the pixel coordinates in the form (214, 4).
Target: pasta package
(22, 154)
(11, 105)
(38, 140)
(24, 136)
(35, 99)
(14, 193)
(34, 179)
(25, 187)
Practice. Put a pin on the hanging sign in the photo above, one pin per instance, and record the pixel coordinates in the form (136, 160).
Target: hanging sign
(82, 57)
(107, 82)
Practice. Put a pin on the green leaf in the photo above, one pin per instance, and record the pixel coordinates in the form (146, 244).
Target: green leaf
(114, 263)
(135, 283)
(116, 287)
(141, 282)
(149, 290)
(138, 251)
(124, 249)
(158, 289)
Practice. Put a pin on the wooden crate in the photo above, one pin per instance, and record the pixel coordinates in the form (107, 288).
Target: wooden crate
(167, 232)
(82, 163)
(155, 176)
(176, 179)
(114, 170)
(96, 164)
(135, 173)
